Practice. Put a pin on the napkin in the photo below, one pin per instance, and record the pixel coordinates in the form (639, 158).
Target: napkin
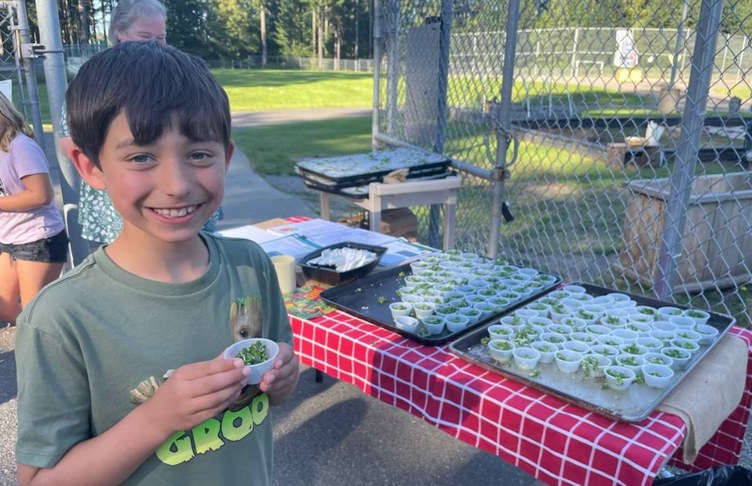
(708, 395)
(396, 176)
(343, 259)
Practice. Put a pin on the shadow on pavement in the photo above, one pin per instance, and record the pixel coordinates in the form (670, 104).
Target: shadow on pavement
(332, 433)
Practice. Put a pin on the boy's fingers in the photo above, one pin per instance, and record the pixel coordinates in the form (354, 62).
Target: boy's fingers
(202, 369)
(285, 355)
(217, 401)
(215, 382)
(281, 375)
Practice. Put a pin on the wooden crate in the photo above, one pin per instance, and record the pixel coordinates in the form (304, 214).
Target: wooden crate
(399, 222)
(716, 245)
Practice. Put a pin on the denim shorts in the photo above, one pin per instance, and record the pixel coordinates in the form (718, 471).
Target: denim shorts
(49, 250)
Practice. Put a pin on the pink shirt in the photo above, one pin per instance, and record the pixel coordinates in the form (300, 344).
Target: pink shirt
(17, 227)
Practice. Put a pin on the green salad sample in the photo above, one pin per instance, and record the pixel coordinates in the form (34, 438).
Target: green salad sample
(254, 354)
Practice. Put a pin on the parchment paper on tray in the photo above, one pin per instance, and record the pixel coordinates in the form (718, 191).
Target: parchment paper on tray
(344, 259)
(333, 266)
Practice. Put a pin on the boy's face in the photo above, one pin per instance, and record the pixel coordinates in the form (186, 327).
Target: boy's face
(165, 190)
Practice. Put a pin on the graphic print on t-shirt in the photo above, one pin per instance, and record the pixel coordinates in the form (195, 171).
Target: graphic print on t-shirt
(213, 434)
(3, 190)
(246, 318)
(238, 420)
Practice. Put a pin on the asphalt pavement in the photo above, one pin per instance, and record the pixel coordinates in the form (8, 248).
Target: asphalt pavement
(328, 433)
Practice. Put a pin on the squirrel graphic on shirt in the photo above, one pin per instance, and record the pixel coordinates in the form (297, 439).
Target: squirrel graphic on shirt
(246, 320)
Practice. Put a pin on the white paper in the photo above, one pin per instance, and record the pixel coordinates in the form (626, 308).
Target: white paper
(294, 245)
(402, 251)
(312, 227)
(325, 233)
(343, 259)
(355, 235)
(319, 233)
(249, 232)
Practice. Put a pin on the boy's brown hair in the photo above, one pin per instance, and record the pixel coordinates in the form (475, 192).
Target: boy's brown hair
(155, 86)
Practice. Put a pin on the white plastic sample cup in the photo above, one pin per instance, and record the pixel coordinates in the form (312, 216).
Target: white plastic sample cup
(284, 265)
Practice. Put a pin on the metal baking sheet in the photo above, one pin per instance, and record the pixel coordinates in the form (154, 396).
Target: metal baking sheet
(362, 169)
(631, 405)
(369, 299)
(361, 192)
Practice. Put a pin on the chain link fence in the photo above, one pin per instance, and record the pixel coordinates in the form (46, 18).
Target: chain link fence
(77, 54)
(611, 155)
(11, 71)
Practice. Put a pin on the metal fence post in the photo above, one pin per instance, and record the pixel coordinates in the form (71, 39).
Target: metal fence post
(446, 33)
(54, 73)
(28, 66)
(434, 217)
(504, 121)
(740, 62)
(392, 68)
(679, 44)
(725, 53)
(688, 35)
(686, 154)
(573, 62)
(377, 39)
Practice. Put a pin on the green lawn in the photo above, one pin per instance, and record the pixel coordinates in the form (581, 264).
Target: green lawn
(280, 89)
(271, 89)
(259, 90)
(44, 105)
(274, 150)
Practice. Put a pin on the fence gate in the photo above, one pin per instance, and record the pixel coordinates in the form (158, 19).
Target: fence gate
(613, 148)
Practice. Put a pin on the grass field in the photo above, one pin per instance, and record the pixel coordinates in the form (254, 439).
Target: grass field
(270, 89)
(276, 89)
(275, 149)
(260, 90)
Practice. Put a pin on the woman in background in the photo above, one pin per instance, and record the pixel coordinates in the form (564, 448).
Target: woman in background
(33, 243)
(132, 20)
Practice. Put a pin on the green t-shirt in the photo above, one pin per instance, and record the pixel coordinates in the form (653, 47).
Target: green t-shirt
(94, 335)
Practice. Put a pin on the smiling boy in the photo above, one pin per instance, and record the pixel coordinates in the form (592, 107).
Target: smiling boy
(120, 373)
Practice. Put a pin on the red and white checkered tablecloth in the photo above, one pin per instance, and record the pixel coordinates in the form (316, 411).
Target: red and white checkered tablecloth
(554, 441)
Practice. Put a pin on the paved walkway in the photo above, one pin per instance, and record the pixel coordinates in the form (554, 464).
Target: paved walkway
(249, 199)
(275, 117)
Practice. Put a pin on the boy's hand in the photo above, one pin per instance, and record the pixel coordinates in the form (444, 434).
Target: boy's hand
(280, 381)
(196, 392)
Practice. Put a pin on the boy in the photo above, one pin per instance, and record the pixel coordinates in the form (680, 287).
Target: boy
(98, 402)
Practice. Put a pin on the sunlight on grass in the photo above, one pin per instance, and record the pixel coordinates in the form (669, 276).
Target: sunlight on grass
(278, 89)
(275, 149)
(539, 93)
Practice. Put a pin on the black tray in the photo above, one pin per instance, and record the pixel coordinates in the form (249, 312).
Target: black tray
(369, 299)
(330, 275)
(633, 405)
(362, 169)
(361, 192)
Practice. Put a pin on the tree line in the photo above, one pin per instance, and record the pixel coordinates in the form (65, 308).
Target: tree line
(236, 29)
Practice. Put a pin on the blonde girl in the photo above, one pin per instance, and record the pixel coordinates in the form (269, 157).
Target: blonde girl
(33, 243)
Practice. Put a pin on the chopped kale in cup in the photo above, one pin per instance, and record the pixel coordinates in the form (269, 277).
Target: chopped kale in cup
(254, 354)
